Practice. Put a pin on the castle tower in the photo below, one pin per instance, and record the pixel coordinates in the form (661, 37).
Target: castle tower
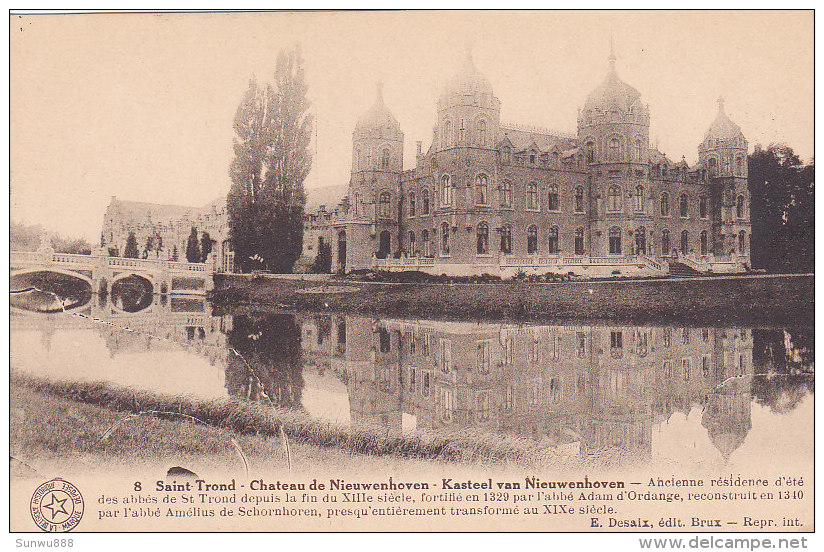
(613, 134)
(723, 153)
(374, 187)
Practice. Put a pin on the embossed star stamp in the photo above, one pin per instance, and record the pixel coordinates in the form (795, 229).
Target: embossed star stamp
(56, 506)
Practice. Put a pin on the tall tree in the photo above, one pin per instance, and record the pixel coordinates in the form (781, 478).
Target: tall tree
(192, 247)
(131, 251)
(272, 137)
(205, 246)
(781, 210)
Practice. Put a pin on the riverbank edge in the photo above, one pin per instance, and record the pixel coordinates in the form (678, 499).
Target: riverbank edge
(249, 418)
(753, 299)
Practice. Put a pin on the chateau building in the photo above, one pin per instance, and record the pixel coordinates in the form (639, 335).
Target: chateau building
(497, 198)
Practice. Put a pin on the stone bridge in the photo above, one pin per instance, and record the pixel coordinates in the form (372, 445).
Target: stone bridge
(101, 271)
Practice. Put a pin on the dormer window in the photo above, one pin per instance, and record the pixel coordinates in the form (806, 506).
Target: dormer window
(506, 155)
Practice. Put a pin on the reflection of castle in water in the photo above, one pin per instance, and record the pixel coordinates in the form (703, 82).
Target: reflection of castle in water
(602, 387)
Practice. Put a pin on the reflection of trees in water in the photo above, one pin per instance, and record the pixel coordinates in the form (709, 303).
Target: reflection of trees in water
(784, 364)
(270, 344)
(132, 294)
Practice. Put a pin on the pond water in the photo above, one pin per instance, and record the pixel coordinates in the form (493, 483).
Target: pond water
(699, 394)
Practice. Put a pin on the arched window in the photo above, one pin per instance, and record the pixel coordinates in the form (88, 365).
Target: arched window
(742, 238)
(506, 239)
(665, 242)
(506, 155)
(615, 241)
(685, 242)
(639, 148)
(427, 246)
(704, 243)
(713, 165)
(461, 133)
(425, 202)
(482, 239)
(506, 193)
(579, 199)
(684, 206)
(482, 132)
(412, 252)
(447, 133)
(553, 244)
(412, 204)
(639, 199)
(532, 240)
(384, 205)
(739, 207)
(553, 201)
(444, 238)
(665, 204)
(532, 196)
(589, 148)
(641, 241)
(739, 165)
(446, 190)
(481, 189)
(614, 149)
(614, 199)
(368, 158)
(579, 241)
(385, 158)
(702, 206)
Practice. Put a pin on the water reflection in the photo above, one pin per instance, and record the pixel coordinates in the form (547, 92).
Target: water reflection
(583, 388)
(48, 292)
(132, 294)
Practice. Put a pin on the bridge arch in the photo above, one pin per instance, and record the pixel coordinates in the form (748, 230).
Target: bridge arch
(34, 269)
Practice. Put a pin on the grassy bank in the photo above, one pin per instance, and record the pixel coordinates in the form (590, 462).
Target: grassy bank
(746, 300)
(212, 424)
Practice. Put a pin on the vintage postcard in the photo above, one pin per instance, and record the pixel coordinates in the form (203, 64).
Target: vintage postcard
(413, 271)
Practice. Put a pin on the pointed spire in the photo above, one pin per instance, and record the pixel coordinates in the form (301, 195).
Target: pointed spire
(611, 57)
(469, 63)
(379, 97)
(720, 104)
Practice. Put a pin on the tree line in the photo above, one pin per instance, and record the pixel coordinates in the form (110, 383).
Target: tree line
(782, 210)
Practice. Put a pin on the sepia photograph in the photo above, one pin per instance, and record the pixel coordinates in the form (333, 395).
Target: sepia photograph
(413, 271)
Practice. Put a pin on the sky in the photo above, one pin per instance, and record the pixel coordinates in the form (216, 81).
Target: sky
(140, 106)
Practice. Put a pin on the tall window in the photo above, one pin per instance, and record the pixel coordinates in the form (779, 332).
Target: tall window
(385, 158)
(506, 239)
(702, 206)
(615, 241)
(713, 165)
(614, 199)
(641, 241)
(482, 132)
(639, 148)
(579, 199)
(704, 242)
(739, 165)
(427, 247)
(579, 241)
(506, 193)
(665, 242)
(506, 155)
(554, 203)
(481, 189)
(444, 239)
(742, 237)
(483, 238)
(589, 147)
(447, 133)
(384, 205)
(665, 204)
(446, 190)
(461, 132)
(639, 199)
(426, 202)
(532, 240)
(684, 206)
(685, 242)
(412, 251)
(532, 196)
(614, 149)
(726, 164)
(411, 204)
(739, 207)
(552, 242)
(358, 159)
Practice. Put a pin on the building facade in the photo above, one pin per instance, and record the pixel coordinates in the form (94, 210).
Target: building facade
(497, 198)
